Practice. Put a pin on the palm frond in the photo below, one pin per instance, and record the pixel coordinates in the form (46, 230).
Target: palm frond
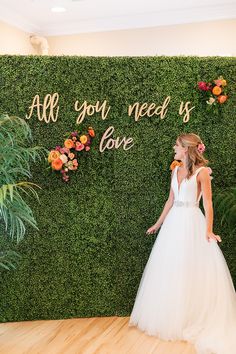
(9, 260)
(225, 204)
(15, 157)
(14, 211)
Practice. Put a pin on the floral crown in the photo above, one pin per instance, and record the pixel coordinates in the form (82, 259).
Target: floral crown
(201, 148)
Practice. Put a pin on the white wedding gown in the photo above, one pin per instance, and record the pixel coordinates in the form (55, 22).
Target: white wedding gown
(186, 291)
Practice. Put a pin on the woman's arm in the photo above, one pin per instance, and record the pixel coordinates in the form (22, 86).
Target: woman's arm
(205, 182)
(165, 211)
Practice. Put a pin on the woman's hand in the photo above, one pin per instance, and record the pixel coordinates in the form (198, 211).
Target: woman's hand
(152, 230)
(211, 235)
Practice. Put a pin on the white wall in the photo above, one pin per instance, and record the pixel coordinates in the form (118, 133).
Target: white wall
(14, 40)
(207, 38)
(204, 39)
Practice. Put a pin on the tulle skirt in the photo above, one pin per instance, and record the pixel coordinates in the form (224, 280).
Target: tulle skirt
(186, 291)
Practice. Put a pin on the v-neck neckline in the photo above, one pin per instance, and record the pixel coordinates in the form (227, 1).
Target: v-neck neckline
(179, 184)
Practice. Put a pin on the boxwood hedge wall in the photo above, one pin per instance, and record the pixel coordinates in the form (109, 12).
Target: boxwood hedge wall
(89, 253)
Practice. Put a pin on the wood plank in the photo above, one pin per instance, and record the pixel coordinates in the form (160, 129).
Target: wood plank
(102, 335)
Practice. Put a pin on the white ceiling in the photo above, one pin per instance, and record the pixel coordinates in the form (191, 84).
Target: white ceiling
(83, 16)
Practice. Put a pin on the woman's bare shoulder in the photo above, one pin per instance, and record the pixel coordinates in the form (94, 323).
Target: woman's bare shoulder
(205, 172)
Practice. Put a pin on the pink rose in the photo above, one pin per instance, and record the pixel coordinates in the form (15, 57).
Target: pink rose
(87, 148)
(71, 155)
(75, 162)
(201, 148)
(79, 146)
(64, 150)
(218, 82)
(65, 178)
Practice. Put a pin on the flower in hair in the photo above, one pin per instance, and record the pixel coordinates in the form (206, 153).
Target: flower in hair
(201, 148)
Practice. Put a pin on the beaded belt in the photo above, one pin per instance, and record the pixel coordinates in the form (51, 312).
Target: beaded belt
(179, 203)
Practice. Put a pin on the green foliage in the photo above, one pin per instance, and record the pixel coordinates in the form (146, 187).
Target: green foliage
(90, 251)
(226, 206)
(9, 259)
(15, 133)
(14, 164)
(14, 210)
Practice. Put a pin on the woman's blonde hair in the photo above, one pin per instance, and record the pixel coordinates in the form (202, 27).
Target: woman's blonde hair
(192, 141)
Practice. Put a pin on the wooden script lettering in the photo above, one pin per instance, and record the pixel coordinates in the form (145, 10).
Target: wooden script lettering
(89, 110)
(185, 109)
(49, 103)
(107, 142)
(148, 109)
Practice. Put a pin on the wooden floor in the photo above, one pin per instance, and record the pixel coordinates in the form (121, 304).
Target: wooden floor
(103, 335)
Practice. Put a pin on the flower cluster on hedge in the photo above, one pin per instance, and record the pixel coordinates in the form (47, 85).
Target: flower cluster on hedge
(215, 91)
(65, 158)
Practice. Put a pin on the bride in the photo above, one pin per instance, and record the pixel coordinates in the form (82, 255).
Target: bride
(186, 291)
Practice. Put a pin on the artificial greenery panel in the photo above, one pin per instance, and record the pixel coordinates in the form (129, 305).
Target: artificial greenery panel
(90, 251)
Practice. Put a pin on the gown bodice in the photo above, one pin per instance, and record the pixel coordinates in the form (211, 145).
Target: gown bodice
(187, 190)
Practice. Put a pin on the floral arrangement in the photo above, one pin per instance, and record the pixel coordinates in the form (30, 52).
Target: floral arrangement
(215, 90)
(65, 158)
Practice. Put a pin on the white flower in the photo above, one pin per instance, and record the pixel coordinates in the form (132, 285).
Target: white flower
(211, 100)
(63, 158)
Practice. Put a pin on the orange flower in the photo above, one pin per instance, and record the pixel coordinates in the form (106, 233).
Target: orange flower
(53, 155)
(217, 90)
(57, 164)
(91, 132)
(83, 139)
(68, 143)
(222, 98)
(174, 164)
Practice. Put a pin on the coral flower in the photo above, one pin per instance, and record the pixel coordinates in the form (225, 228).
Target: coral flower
(83, 139)
(79, 146)
(91, 132)
(57, 164)
(174, 164)
(222, 98)
(87, 148)
(53, 155)
(217, 90)
(68, 143)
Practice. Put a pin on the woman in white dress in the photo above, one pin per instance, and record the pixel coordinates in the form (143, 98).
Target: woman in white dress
(186, 291)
